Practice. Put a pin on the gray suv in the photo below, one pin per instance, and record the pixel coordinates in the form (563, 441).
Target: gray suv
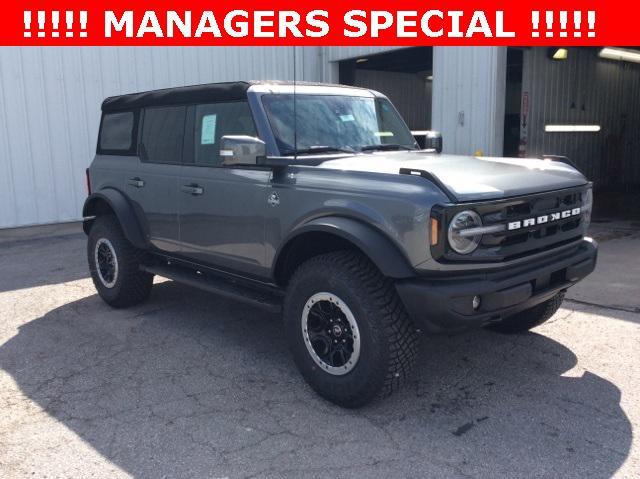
(316, 201)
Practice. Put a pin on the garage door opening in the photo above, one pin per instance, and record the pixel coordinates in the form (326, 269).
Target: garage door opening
(404, 75)
(514, 121)
(578, 104)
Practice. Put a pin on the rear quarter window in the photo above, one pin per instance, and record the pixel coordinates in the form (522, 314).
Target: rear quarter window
(117, 133)
(163, 134)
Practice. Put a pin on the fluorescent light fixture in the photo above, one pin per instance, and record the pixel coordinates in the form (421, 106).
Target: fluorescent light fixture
(571, 128)
(560, 54)
(362, 60)
(430, 78)
(620, 54)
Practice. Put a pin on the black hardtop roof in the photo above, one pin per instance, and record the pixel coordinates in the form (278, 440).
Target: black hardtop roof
(208, 92)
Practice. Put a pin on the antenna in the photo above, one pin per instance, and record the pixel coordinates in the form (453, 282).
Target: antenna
(295, 112)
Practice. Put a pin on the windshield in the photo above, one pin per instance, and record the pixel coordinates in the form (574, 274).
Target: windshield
(328, 123)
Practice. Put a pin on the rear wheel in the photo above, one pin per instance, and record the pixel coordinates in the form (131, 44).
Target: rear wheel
(347, 329)
(529, 318)
(115, 265)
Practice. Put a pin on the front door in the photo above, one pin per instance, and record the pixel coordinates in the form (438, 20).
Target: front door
(222, 208)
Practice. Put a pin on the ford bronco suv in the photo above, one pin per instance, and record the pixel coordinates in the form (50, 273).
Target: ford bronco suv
(316, 201)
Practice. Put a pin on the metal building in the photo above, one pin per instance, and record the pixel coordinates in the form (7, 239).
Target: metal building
(50, 110)
(585, 89)
(485, 100)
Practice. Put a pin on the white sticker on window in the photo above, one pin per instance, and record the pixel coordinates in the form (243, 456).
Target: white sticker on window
(346, 118)
(208, 134)
(383, 133)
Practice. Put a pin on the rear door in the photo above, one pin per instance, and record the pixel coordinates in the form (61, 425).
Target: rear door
(153, 183)
(222, 208)
(116, 154)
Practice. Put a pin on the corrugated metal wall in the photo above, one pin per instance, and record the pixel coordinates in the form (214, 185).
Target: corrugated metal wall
(469, 85)
(50, 108)
(585, 89)
(409, 92)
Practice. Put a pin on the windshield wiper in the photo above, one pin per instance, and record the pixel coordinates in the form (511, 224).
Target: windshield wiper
(319, 149)
(385, 146)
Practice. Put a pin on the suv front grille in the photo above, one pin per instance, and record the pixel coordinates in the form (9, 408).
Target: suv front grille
(523, 240)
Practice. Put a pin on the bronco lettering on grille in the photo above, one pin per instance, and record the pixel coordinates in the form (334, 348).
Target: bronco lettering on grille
(515, 225)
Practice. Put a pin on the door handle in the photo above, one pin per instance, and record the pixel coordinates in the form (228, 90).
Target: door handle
(194, 190)
(137, 182)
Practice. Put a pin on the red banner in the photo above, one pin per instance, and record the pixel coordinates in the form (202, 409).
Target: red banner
(552, 23)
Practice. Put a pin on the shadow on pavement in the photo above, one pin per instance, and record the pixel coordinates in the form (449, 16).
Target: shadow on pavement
(27, 263)
(192, 385)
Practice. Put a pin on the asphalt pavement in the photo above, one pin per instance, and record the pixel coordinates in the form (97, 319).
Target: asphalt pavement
(192, 385)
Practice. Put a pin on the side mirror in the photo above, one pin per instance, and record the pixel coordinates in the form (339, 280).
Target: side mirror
(429, 140)
(241, 150)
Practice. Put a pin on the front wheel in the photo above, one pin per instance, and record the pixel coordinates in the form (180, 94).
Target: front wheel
(347, 329)
(115, 265)
(529, 318)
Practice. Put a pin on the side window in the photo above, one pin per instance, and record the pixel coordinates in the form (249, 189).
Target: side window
(215, 120)
(117, 133)
(163, 134)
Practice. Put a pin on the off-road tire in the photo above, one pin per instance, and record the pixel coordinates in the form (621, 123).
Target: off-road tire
(132, 286)
(388, 338)
(529, 318)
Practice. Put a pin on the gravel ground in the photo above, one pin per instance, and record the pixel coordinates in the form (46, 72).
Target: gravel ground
(191, 385)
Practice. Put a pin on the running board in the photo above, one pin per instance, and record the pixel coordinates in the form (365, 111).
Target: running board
(270, 301)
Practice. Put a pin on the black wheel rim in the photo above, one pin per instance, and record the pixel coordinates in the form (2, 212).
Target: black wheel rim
(106, 262)
(331, 333)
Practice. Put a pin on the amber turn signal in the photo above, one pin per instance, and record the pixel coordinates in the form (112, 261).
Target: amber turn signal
(434, 231)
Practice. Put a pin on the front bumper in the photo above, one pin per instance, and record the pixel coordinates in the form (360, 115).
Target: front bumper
(446, 304)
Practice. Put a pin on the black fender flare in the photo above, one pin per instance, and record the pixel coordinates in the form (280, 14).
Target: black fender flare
(123, 210)
(379, 248)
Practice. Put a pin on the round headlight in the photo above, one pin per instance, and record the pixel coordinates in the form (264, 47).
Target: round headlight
(460, 240)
